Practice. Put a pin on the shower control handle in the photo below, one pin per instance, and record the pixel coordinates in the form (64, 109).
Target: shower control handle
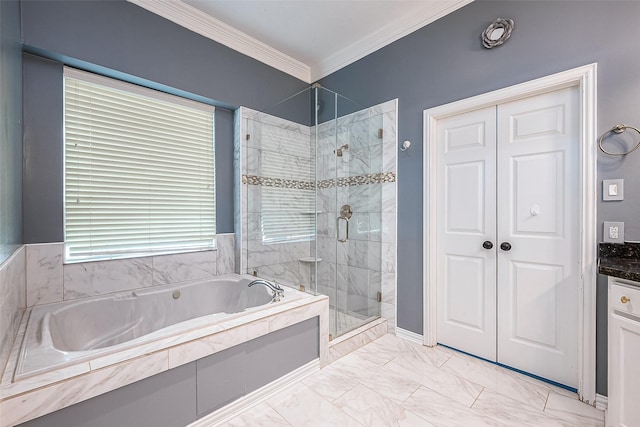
(505, 246)
(346, 237)
(487, 244)
(345, 214)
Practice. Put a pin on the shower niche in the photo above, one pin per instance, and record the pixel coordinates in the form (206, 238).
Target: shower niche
(315, 205)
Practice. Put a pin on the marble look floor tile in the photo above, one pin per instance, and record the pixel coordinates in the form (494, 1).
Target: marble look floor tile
(574, 411)
(513, 412)
(301, 406)
(390, 346)
(394, 382)
(452, 386)
(443, 412)
(563, 392)
(261, 414)
(330, 384)
(387, 383)
(372, 409)
(497, 379)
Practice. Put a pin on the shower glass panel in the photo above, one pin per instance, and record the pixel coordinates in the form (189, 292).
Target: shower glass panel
(311, 169)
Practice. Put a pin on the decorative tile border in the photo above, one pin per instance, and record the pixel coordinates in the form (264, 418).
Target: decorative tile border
(277, 182)
(372, 178)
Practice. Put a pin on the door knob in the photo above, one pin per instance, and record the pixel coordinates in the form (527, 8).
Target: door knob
(505, 246)
(624, 299)
(487, 244)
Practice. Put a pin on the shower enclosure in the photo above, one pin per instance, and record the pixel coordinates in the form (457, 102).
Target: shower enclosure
(312, 173)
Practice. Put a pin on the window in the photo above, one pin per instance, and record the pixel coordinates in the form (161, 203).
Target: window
(288, 189)
(139, 170)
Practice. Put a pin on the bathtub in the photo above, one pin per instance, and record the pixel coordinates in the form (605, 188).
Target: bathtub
(63, 334)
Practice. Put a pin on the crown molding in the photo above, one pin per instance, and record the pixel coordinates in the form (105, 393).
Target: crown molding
(197, 21)
(383, 37)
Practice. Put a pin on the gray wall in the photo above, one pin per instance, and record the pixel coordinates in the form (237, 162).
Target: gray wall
(10, 129)
(445, 62)
(122, 40)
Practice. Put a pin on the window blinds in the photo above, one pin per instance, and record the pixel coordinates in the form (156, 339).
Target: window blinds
(288, 207)
(139, 170)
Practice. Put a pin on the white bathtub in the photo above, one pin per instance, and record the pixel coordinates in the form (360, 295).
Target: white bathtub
(62, 334)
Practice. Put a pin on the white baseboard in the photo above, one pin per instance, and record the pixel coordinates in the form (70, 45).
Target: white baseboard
(409, 336)
(255, 397)
(602, 402)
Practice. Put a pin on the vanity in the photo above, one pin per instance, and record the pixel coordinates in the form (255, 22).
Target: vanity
(621, 263)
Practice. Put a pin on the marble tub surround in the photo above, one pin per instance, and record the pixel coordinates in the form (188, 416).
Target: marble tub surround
(13, 295)
(68, 333)
(38, 395)
(620, 260)
(49, 280)
(391, 382)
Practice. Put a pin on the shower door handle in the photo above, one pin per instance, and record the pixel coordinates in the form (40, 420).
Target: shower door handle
(346, 221)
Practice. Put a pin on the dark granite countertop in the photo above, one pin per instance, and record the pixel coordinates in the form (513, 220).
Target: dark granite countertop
(620, 260)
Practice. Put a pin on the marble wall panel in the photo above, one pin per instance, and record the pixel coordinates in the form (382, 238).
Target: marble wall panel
(44, 270)
(225, 254)
(49, 280)
(13, 300)
(88, 279)
(177, 268)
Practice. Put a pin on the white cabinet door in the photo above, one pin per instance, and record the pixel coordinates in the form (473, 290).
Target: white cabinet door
(538, 215)
(624, 349)
(509, 174)
(466, 218)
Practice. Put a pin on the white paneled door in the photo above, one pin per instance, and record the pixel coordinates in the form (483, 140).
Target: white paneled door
(508, 242)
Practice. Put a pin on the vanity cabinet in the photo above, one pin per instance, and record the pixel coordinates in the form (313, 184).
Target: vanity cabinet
(624, 353)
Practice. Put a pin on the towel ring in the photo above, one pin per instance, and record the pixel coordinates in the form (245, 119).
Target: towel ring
(619, 128)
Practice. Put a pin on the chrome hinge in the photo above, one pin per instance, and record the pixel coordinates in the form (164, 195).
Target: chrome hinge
(380, 133)
(248, 137)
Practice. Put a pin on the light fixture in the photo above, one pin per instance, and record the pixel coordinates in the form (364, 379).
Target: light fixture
(497, 33)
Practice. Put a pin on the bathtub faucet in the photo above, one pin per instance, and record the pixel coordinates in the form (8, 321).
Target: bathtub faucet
(278, 292)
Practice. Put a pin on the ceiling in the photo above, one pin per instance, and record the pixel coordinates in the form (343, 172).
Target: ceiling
(308, 39)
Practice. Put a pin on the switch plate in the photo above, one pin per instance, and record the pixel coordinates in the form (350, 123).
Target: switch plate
(613, 189)
(613, 232)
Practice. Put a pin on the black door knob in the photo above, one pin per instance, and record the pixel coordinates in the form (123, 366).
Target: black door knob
(505, 246)
(487, 244)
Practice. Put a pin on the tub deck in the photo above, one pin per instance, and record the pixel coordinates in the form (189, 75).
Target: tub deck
(28, 398)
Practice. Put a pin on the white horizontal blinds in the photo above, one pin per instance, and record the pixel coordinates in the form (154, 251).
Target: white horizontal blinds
(288, 203)
(139, 170)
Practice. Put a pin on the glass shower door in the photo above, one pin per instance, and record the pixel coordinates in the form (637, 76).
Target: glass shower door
(357, 158)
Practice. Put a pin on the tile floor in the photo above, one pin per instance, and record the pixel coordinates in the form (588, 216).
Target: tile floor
(394, 382)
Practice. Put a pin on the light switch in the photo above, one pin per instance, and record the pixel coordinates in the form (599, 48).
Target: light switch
(613, 232)
(613, 189)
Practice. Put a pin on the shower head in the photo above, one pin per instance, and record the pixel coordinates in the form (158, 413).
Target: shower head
(339, 150)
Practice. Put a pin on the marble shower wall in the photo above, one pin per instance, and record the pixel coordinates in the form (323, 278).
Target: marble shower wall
(350, 273)
(12, 301)
(49, 280)
(276, 165)
(353, 272)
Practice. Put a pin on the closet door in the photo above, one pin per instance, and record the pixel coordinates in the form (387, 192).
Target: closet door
(466, 271)
(537, 187)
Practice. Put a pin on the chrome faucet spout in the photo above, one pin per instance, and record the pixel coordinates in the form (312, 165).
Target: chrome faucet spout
(276, 290)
